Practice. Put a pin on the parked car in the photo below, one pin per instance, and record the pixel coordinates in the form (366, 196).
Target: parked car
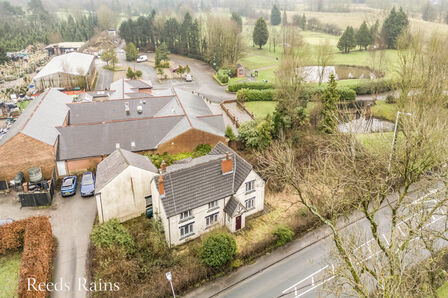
(6, 221)
(142, 58)
(188, 78)
(68, 187)
(87, 184)
(175, 69)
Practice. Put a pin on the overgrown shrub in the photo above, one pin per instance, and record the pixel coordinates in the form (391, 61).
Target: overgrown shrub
(201, 150)
(217, 250)
(390, 99)
(256, 134)
(223, 75)
(112, 233)
(165, 64)
(255, 95)
(284, 235)
(234, 87)
(156, 158)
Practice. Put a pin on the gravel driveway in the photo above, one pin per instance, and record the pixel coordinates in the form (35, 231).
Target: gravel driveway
(71, 220)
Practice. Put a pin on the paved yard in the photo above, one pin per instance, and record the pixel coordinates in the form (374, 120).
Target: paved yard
(241, 115)
(71, 219)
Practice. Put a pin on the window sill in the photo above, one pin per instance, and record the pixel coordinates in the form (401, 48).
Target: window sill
(211, 226)
(213, 209)
(250, 191)
(250, 209)
(186, 236)
(186, 219)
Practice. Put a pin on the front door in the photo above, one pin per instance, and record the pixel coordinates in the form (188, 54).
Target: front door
(238, 223)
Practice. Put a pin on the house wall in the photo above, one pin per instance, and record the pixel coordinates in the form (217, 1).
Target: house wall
(124, 197)
(189, 141)
(74, 166)
(23, 152)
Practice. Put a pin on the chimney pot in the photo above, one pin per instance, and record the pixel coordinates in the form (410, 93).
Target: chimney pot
(163, 166)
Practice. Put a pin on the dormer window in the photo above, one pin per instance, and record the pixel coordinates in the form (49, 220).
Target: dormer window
(185, 214)
(213, 204)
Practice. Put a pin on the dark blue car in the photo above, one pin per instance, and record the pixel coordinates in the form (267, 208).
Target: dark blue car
(87, 184)
(68, 187)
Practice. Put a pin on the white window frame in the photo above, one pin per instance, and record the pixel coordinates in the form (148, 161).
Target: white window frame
(211, 219)
(185, 214)
(250, 186)
(186, 230)
(213, 204)
(250, 203)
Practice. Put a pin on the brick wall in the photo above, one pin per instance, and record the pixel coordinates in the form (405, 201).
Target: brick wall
(23, 152)
(189, 141)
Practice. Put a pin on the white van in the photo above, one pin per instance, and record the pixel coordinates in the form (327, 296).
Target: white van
(142, 58)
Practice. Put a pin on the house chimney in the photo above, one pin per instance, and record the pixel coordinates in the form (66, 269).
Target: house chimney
(227, 164)
(163, 166)
(161, 186)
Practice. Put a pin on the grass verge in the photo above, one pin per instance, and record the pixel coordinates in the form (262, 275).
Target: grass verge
(385, 111)
(9, 274)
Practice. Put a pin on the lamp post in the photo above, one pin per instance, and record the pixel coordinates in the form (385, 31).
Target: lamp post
(395, 137)
(170, 278)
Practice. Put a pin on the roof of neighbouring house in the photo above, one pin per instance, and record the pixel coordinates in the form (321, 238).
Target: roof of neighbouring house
(41, 117)
(66, 45)
(96, 127)
(116, 163)
(72, 63)
(126, 88)
(201, 181)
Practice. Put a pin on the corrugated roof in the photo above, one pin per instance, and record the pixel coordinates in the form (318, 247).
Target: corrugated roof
(201, 181)
(116, 163)
(40, 119)
(72, 63)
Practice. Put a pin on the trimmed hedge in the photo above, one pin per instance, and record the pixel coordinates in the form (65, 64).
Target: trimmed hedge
(346, 94)
(364, 87)
(235, 87)
(36, 237)
(255, 95)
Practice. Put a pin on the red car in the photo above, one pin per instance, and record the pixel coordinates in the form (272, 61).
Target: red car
(175, 69)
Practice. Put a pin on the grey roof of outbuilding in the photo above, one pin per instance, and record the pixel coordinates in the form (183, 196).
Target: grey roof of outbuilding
(116, 163)
(99, 139)
(95, 127)
(243, 168)
(40, 119)
(199, 182)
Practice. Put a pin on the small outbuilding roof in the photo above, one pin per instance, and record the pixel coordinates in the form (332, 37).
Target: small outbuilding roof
(116, 163)
(72, 63)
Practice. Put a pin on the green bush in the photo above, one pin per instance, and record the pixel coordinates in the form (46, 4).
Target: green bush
(346, 94)
(363, 87)
(201, 150)
(217, 250)
(255, 95)
(112, 233)
(284, 235)
(165, 64)
(257, 134)
(229, 133)
(223, 75)
(234, 87)
(390, 99)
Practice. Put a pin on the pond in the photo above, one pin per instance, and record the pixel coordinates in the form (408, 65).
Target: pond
(364, 125)
(341, 72)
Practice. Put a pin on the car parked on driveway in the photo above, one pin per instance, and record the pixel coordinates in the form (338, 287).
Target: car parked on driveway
(188, 78)
(68, 187)
(87, 184)
(142, 58)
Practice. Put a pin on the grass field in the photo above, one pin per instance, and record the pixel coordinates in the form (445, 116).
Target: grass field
(376, 142)
(443, 290)
(384, 110)
(9, 274)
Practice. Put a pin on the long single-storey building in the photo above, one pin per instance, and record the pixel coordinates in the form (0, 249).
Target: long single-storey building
(32, 139)
(174, 123)
(67, 71)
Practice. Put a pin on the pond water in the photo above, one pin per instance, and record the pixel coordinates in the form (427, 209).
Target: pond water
(341, 72)
(364, 125)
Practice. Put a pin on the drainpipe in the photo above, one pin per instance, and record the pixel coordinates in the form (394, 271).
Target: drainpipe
(169, 231)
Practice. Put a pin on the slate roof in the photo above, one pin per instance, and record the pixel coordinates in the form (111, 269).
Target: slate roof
(71, 63)
(231, 206)
(242, 167)
(199, 182)
(126, 88)
(116, 163)
(41, 117)
(96, 127)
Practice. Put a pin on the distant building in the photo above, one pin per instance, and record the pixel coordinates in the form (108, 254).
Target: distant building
(67, 71)
(63, 48)
(123, 185)
(130, 89)
(33, 139)
(112, 32)
(215, 190)
(240, 71)
(174, 123)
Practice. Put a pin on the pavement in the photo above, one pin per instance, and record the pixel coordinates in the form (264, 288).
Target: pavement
(303, 267)
(71, 219)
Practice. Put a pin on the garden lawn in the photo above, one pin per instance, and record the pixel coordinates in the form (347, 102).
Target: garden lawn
(376, 142)
(23, 104)
(9, 274)
(443, 290)
(261, 108)
(384, 110)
